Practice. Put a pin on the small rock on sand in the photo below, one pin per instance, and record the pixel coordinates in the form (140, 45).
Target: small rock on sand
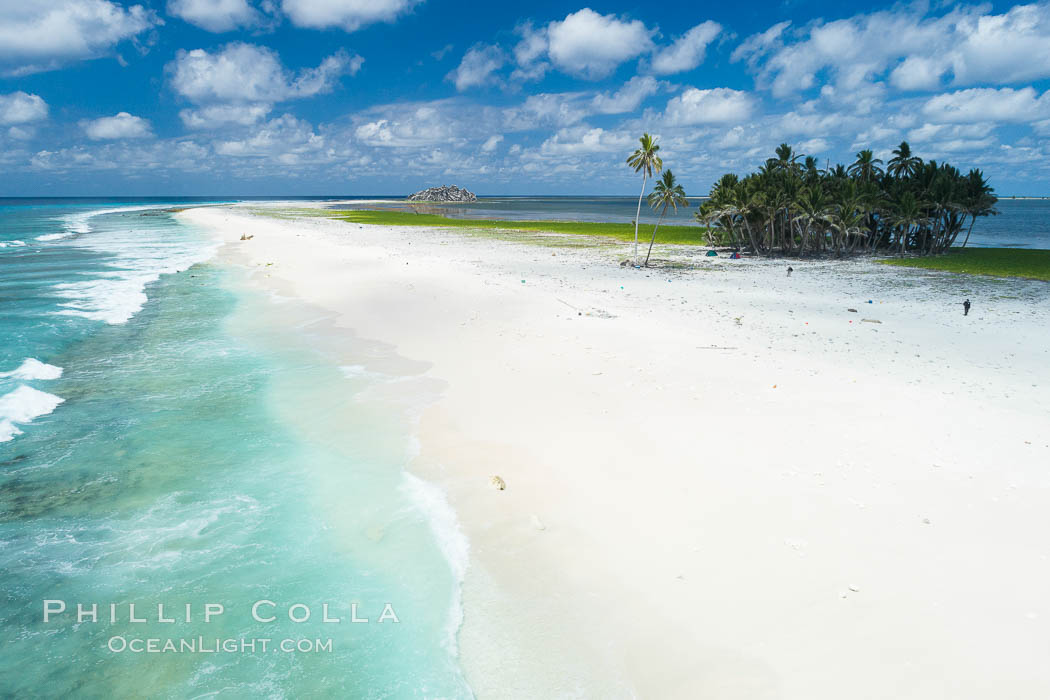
(498, 483)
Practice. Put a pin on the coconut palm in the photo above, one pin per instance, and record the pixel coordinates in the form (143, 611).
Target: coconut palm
(786, 159)
(977, 200)
(914, 205)
(866, 167)
(666, 193)
(814, 207)
(908, 213)
(646, 161)
(903, 162)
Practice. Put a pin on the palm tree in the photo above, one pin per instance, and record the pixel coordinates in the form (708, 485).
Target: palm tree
(722, 206)
(908, 213)
(646, 161)
(866, 167)
(786, 159)
(666, 193)
(903, 162)
(814, 207)
(850, 211)
(978, 200)
(913, 205)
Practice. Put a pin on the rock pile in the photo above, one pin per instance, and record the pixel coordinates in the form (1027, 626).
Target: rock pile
(446, 193)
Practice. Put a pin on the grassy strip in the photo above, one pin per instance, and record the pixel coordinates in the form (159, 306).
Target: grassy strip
(685, 235)
(1000, 262)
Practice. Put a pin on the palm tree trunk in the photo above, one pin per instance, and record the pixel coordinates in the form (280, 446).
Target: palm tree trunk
(973, 219)
(772, 231)
(750, 235)
(654, 236)
(637, 216)
(732, 231)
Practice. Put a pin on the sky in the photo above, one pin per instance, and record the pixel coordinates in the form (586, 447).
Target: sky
(370, 97)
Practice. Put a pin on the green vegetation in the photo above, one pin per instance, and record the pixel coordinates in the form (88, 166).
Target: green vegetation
(684, 235)
(792, 207)
(1000, 262)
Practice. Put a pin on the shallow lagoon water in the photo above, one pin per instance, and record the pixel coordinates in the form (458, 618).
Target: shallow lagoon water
(197, 457)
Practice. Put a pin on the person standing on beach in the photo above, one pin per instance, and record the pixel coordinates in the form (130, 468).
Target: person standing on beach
(966, 308)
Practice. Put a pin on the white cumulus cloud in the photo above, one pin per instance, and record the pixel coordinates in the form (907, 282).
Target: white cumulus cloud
(38, 35)
(120, 126)
(718, 105)
(529, 53)
(249, 73)
(628, 97)
(966, 46)
(687, 51)
(212, 116)
(285, 140)
(477, 67)
(988, 104)
(214, 15)
(591, 46)
(21, 108)
(584, 139)
(349, 15)
(411, 127)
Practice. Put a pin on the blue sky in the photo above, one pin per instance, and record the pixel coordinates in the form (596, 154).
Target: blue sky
(270, 97)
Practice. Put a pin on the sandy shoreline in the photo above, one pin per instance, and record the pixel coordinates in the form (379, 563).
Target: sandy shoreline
(720, 482)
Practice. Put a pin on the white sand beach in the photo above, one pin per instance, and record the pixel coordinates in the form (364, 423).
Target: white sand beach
(720, 482)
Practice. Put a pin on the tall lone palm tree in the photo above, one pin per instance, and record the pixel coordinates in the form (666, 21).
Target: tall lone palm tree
(666, 193)
(644, 160)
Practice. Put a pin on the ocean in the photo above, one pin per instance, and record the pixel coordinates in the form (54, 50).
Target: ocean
(161, 445)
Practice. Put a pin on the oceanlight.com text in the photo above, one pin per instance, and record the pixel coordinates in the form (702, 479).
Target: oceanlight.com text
(215, 645)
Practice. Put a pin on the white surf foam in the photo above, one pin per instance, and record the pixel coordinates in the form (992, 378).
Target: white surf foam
(11, 244)
(431, 501)
(23, 405)
(33, 368)
(8, 431)
(80, 222)
(139, 257)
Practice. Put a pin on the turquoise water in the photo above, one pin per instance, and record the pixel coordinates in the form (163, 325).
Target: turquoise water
(161, 445)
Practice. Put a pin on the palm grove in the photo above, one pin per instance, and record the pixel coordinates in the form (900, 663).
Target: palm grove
(790, 206)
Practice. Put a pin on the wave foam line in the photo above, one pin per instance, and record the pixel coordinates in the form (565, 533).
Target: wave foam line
(431, 501)
(138, 258)
(33, 368)
(79, 222)
(21, 406)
